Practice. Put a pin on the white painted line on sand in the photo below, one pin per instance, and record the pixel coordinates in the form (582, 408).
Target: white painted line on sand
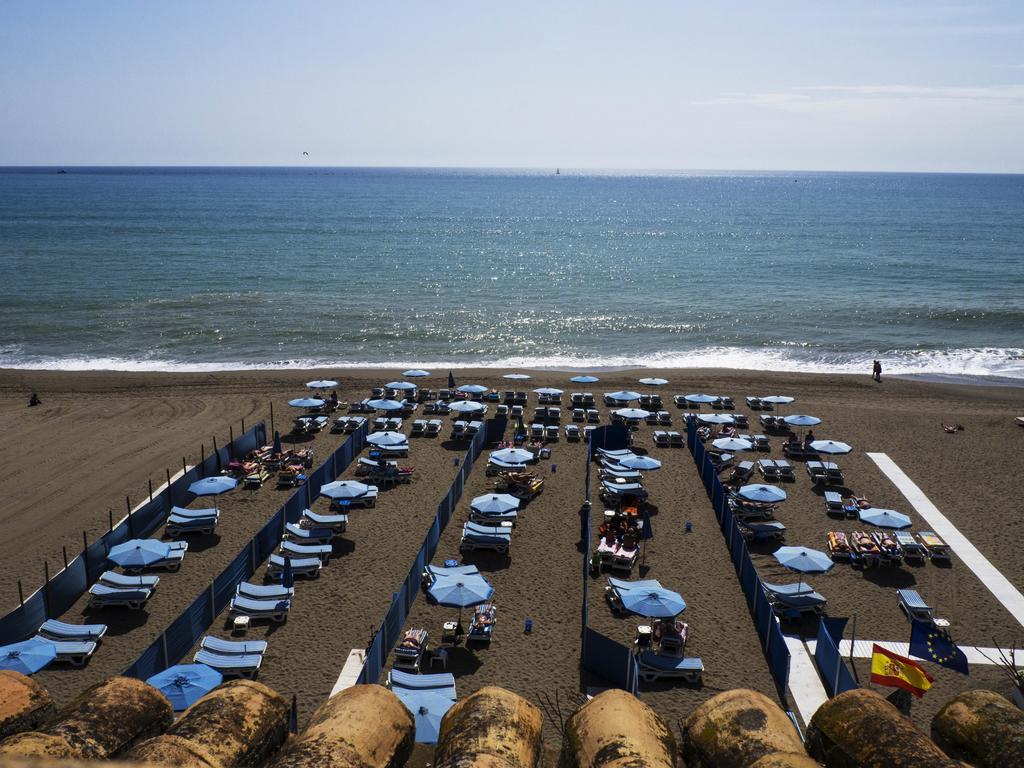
(350, 672)
(804, 683)
(974, 654)
(998, 585)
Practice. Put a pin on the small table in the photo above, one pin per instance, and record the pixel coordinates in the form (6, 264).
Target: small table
(644, 633)
(240, 625)
(448, 630)
(942, 623)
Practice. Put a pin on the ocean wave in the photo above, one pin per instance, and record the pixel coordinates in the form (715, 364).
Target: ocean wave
(990, 361)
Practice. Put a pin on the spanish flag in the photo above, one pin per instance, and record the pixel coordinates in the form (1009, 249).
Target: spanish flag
(894, 671)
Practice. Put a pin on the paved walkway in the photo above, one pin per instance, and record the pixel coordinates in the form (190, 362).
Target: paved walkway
(990, 576)
(804, 683)
(974, 654)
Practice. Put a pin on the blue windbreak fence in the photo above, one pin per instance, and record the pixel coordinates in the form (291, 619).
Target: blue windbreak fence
(401, 601)
(833, 671)
(611, 660)
(773, 642)
(183, 633)
(65, 588)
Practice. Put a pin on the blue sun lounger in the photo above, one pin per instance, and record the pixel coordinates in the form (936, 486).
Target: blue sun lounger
(755, 531)
(795, 603)
(230, 666)
(234, 647)
(322, 551)
(443, 684)
(52, 629)
(788, 590)
(493, 518)
(104, 596)
(73, 652)
(338, 523)
(654, 666)
(309, 567)
(195, 513)
(309, 535)
(264, 591)
(178, 525)
(476, 536)
(260, 609)
(121, 581)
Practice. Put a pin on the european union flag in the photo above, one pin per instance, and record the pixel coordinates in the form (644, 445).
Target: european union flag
(934, 644)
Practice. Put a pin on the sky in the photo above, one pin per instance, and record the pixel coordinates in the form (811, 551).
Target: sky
(647, 84)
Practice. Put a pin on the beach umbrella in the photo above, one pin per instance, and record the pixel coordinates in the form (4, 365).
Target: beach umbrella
(762, 494)
(513, 455)
(472, 389)
(716, 418)
(584, 379)
(883, 518)
(633, 413)
(517, 376)
(212, 486)
(415, 373)
(802, 420)
(277, 442)
(287, 574)
(701, 398)
(381, 439)
(400, 385)
(777, 399)
(344, 489)
(451, 381)
(654, 381)
(494, 503)
(732, 444)
(322, 384)
(138, 553)
(644, 463)
(185, 684)
(548, 391)
(460, 591)
(306, 402)
(28, 656)
(467, 406)
(830, 446)
(654, 603)
(428, 709)
(624, 396)
(804, 560)
(385, 405)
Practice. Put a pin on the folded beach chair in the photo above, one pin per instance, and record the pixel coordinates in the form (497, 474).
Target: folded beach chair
(104, 596)
(292, 549)
(664, 418)
(476, 536)
(410, 649)
(230, 665)
(264, 591)
(419, 426)
(655, 666)
(785, 470)
(336, 523)
(816, 470)
(593, 416)
(297, 533)
(473, 427)
(796, 605)
(572, 433)
(579, 414)
(339, 424)
(537, 431)
(459, 429)
(233, 647)
(307, 567)
(914, 606)
(121, 581)
(768, 469)
(761, 531)
(675, 439)
(834, 475)
(276, 610)
(481, 627)
(52, 629)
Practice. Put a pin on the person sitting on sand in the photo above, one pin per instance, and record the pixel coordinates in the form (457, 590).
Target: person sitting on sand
(34, 400)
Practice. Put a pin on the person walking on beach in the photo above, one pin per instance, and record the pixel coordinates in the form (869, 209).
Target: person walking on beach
(876, 371)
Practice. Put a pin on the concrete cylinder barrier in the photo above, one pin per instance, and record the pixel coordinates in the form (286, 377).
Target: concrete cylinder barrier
(492, 727)
(982, 728)
(24, 704)
(616, 730)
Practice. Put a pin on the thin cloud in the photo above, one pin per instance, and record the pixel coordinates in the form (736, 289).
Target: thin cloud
(804, 96)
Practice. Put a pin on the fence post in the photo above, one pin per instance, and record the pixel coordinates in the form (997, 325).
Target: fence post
(150, 481)
(85, 554)
(46, 588)
(184, 465)
(131, 523)
(110, 517)
(168, 485)
(21, 594)
(213, 604)
(163, 639)
(252, 555)
(65, 551)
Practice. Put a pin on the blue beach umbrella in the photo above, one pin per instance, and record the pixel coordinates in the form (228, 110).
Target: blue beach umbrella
(185, 684)
(513, 455)
(451, 381)
(472, 389)
(467, 406)
(344, 489)
(777, 399)
(306, 402)
(804, 560)
(138, 553)
(624, 396)
(517, 376)
(460, 591)
(381, 439)
(322, 384)
(287, 574)
(883, 518)
(654, 381)
(28, 656)
(428, 709)
(632, 413)
(385, 405)
(802, 420)
(277, 442)
(655, 603)
(415, 373)
(494, 503)
(548, 391)
(762, 494)
(701, 398)
(584, 379)
(400, 385)
(644, 463)
(732, 444)
(830, 446)
(212, 486)
(716, 418)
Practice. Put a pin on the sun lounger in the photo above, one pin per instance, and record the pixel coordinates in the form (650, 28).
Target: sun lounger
(551, 432)
(419, 426)
(473, 427)
(762, 531)
(785, 470)
(938, 550)
(277, 610)
(619, 453)
(307, 567)
(664, 418)
(410, 649)
(233, 647)
(354, 423)
(579, 414)
(493, 519)
(889, 552)
(73, 652)
(660, 438)
(476, 536)
(740, 420)
(749, 511)
(770, 422)
(834, 475)
(768, 469)
(788, 590)
(52, 629)
(104, 596)
(481, 627)
(365, 465)
(459, 429)
(442, 684)
(655, 666)
(178, 525)
(337, 523)
(726, 402)
(297, 533)
(839, 546)
(256, 478)
(720, 461)
(618, 490)
(755, 404)
(834, 503)
(339, 424)
(572, 433)
(816, 471)
(433, 428)
(911, 548)
(742, 472)
(630, 475)
(232, 665)
(264, 591)
(675, 439)
(537, 431)
(291, 549)
(865, 548)
(795, 605)
(367, 500)
(914, 606)
(121, 581)
(625, 558)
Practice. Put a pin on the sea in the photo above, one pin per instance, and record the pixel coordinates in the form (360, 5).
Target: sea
(197, 269)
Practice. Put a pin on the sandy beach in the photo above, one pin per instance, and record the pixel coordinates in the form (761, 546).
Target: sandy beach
(101, 436)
